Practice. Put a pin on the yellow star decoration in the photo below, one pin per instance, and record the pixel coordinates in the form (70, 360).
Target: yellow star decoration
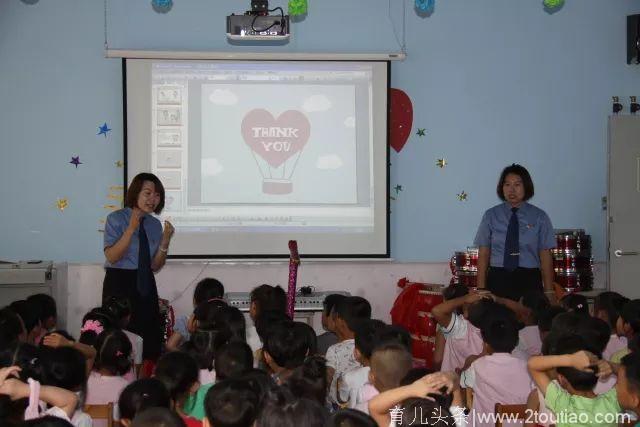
(462, 196)
(62, 204)
(119, 163)
(441, 163)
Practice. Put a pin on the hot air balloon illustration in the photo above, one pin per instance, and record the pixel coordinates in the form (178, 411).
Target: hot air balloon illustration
(276, 146)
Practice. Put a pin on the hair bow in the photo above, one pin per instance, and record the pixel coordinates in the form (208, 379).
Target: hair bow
(92, 325)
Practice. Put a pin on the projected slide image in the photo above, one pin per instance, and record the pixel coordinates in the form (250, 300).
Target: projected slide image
(169, 138)
(267, 145)
(169, 116)
(169, 95)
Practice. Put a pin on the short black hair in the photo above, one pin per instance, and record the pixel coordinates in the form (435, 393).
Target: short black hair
(267, 297)
(231, 403)
(157, 417)
(118, 307)
(310, 336)
(350, 418)
(208, 288)
(261, 383)
(286, 345)
(365, 335)
(437, 412)
(178, 371)
(414, 375)
(544, 317)
(204, 344)
(523, 173)
(500, 332)
(231, 318)
(63, 367)
(45, 305)
(631, 363)
(580, 380)
(113, 352)
(575, 303)
(454, 290)
(479, 309)
(611, 303)
(142, 394)
(330, 302)
(391, 334)
(596, 333)
(352, 310)
(282, 408)
(631, 314)
(27, 312)
(310, 380)
(267, 320)
(10, 327)
(47, 421)
(232, 360)
(535, 300)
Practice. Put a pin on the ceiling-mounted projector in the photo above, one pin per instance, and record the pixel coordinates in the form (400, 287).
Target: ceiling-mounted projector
(257, 24)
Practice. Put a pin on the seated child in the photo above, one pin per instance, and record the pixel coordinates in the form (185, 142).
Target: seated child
(157, 417)
(328, 338)
(231, 402)
(429, 396)
(140, 395)
(207, 289)
(608, 307)
(571, 397)
(628, 326)
(352, 381)
(285, 348)
(340, 356)
(498, 376)
(119, 308)
(390, 363)
(462, 336)
(179, 373)
(264, 298)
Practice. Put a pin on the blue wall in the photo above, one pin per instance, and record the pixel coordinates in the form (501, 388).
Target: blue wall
(492, 81)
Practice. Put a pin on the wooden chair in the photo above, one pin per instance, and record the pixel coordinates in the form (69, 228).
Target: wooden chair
(101, 412)
(510, 410)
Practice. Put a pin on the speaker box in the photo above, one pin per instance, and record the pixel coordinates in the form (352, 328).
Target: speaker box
(633, 39)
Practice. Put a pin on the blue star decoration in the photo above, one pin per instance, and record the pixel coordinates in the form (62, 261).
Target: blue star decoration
(462, 196)
(421, 131)
(398, 189)
(102, 130)
(75, 161)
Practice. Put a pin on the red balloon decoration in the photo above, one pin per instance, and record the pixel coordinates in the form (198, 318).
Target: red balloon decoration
(401, 109)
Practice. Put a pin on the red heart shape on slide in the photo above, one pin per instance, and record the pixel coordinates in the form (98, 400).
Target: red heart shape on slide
(401, 110)
(275, 140)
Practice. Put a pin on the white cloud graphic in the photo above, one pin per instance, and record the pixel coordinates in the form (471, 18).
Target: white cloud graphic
(211, 167)
(223, 97)
(350, 122)
(331, 161)
(316, 103)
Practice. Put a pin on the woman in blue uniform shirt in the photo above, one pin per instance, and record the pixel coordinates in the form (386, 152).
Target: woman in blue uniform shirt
(135, 246)
(515, 239)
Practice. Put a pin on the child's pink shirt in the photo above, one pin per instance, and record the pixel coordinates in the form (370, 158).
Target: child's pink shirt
(614, 345)
(496, 378)
(462, 340)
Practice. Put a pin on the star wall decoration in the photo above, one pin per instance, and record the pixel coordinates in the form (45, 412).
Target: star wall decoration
(441, 163)
(398, 189)
(462, 196)
(75, 161)
(421, 132)
(119, 163)
(102, 130)
(62, 204)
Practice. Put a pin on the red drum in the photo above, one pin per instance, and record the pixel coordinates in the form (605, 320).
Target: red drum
(465, 260)
(573, 240)
(574, 280)
(570, 260)
(423, 349)
(426, 325)
(468, 278)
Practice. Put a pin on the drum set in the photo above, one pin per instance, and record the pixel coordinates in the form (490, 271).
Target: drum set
(572, 262)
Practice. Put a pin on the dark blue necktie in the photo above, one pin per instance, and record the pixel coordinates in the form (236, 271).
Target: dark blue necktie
(144, 261)
(512, 243)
